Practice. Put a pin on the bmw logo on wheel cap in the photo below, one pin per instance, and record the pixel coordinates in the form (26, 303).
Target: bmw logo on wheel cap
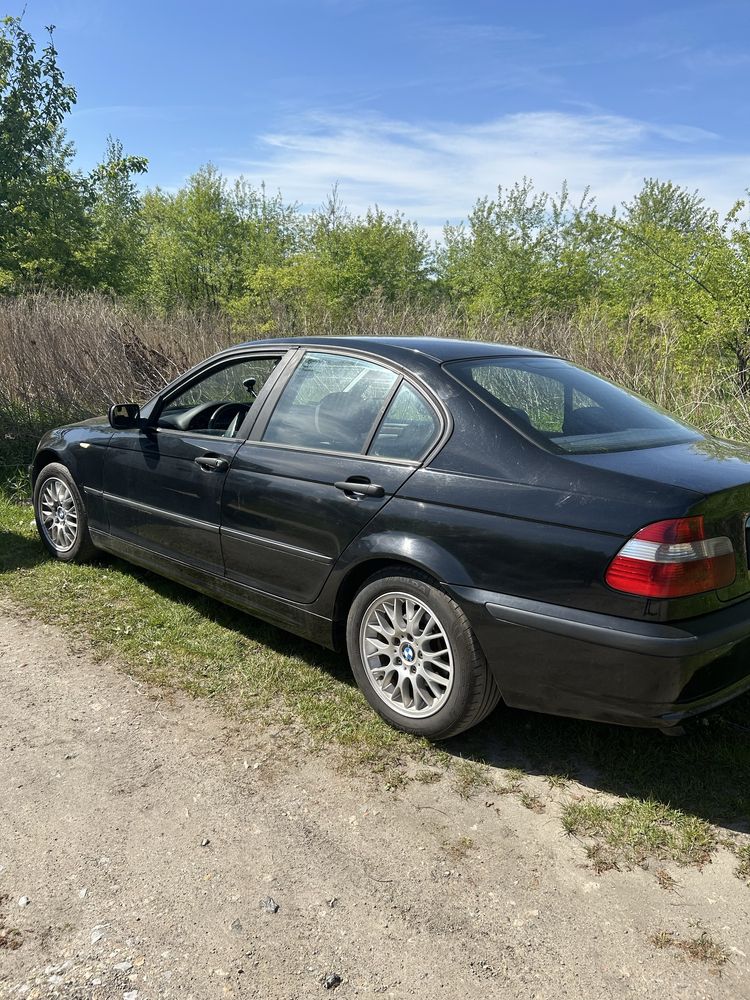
(408, 652)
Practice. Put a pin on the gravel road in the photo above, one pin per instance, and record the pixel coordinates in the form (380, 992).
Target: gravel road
(147, 836)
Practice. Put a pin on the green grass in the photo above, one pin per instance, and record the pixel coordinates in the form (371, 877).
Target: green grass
(470, 777)
(675, 791)
(635, 831)
(172, 636)
(703, 775)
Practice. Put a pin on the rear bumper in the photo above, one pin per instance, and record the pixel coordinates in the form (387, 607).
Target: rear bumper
(555, 659)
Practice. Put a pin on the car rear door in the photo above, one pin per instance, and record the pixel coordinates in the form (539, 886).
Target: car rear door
(318, 467)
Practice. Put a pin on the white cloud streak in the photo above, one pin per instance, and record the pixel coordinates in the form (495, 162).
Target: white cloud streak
(434, 173)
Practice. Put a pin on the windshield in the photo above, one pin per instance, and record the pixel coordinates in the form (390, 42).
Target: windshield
(568, 408)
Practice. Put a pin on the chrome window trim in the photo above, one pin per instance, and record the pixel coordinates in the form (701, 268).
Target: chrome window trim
(414, 463)
(416, 381)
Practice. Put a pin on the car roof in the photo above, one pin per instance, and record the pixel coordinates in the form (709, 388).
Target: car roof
(438, 349)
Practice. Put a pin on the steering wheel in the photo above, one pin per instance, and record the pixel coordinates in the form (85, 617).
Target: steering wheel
(231, 412)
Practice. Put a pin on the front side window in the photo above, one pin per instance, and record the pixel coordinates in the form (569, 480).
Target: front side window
(218, 402)
(568, 408)
(331, 403)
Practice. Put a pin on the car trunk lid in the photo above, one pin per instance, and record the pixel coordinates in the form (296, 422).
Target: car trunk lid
(718, 471)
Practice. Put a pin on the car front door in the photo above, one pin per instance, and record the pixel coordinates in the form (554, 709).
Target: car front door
(162, 485)
(323, 458)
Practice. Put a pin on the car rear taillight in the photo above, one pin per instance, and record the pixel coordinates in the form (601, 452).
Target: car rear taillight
(672, 559)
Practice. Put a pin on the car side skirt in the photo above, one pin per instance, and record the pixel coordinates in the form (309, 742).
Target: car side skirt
(274, 610)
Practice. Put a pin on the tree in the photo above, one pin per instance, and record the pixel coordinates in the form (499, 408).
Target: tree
(117, 259)
(271, 240)
(728, 274)
(58, 226)
(34, 102)
(349, 258)
(196, 241)
(677, 262)
(657, 268)
(525, 252)
(43, 202)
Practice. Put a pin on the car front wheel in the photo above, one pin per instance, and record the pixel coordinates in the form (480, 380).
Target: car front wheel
(61, 515)
(416, 658)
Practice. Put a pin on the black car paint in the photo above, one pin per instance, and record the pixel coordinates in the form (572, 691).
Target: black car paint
(263, 489)
(519, 536)
(178, 505)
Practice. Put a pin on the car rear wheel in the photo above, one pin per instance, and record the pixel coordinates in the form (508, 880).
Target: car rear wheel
(415, 657)
(61, 515)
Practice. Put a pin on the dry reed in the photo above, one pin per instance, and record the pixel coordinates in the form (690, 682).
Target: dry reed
(66, 357)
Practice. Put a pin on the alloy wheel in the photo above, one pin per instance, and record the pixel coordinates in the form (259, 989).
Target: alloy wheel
(406, 654)
(58, 514)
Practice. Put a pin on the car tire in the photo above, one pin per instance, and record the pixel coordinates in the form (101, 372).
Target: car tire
(61, 517)
(427, 674)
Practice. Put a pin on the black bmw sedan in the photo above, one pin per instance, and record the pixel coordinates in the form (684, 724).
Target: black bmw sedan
(469, 521)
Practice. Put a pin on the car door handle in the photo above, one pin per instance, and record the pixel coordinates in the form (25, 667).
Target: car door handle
(354, 488)
(212, 463)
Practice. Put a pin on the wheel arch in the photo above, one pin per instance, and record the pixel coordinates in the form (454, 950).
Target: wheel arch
(397, 552)
(42, 458)
(477, 696)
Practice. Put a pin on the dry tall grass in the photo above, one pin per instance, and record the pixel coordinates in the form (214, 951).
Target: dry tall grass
(63, 358)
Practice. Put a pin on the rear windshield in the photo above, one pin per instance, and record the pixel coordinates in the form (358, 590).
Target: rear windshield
(568, 408)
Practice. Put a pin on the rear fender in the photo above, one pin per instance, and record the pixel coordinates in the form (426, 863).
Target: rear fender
(376, 552)
(422, 553)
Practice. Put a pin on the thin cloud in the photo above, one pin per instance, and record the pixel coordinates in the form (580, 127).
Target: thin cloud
(716, 60)
(455, 33)
(434, 173)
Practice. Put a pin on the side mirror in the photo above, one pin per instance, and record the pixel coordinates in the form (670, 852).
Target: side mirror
(124, 416)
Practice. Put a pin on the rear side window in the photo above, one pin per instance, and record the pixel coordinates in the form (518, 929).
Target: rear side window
(409, 426)
(533, 398)
(568, 408)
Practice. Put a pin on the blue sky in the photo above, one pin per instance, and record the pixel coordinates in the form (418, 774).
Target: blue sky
(420, 105)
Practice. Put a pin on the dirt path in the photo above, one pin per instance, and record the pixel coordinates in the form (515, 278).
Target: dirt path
(108, 791)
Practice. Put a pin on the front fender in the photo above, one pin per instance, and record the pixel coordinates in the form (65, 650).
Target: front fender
(79, 447)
